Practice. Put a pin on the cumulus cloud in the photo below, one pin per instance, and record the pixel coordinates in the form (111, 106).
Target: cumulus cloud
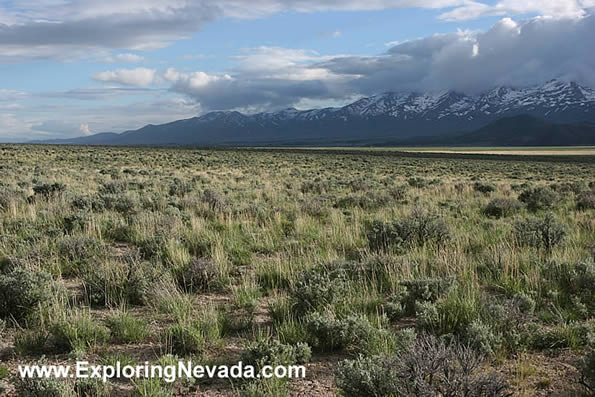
(133, 77)
(69, 28)
(509, 53)
(550, 8)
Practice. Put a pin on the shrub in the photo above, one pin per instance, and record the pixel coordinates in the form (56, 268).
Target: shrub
(273, 352)
(126, 328)
(539, 198)
(86, 387)
(22, 290)
(318, 288)
(544, 232)
(429, 367)
(179, 188)
(482, 337)
(586, 200)
(450, 314)
(213, 200)
(43, 387)
(417, 229)
(46, 190)
(199, 275)
(414, 292)
(484, 188)
(354, 333)
(571, 286)
(502, 207)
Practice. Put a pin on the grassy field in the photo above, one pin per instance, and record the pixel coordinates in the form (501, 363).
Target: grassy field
(404, 274)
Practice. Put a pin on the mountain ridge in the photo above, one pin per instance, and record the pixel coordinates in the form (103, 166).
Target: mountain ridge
(391, 115)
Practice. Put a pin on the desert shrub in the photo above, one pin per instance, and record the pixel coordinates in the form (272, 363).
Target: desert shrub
(365, 201)
(272, 352)
(316, 186)
(378, 272)
(354, 333)
(539, 198)
(87, 203)
(483, 338)
(78, 331)
(76, 222)
(47, 190)
(199, 275)
(572, 335)
(43, 387)
(121, 203)
(451, 314)
(126, 328)
(214, 200)
(22, 290)
(525, 303)
(419, 182)
(428, 367)
(544, 232)
(318, 288)
(78, 252)
(398, 192)
(86, 387)
(116, 187)
(484, 188)
(417, 229)
(179, 188)
(414, 292)
(502, 207)
(586, 200)
(152, 247)
(314, 206)
(570, 285)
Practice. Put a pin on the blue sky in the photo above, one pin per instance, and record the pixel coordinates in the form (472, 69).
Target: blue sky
(71, 67)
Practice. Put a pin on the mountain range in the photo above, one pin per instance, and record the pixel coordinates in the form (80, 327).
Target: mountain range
(555, 113)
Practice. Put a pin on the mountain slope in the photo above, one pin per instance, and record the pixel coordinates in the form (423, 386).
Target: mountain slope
(522, 130)
(389, 116)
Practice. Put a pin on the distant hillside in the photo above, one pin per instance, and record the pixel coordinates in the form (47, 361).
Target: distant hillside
(522, 130)
(556, 113)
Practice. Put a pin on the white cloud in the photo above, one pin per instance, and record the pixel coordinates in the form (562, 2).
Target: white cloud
(66, 29)
(132, 77)
(551, 8)
(84, 129)
(127, 58)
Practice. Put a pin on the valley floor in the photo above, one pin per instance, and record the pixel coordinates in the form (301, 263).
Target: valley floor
(370, 268)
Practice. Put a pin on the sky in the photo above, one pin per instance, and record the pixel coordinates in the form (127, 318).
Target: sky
(79, 67)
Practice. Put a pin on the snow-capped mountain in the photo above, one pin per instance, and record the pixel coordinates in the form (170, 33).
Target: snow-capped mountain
(551, 99)
(392, 115)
